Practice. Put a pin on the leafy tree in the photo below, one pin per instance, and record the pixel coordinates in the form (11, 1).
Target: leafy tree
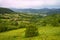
(3, 28)
(31, 31)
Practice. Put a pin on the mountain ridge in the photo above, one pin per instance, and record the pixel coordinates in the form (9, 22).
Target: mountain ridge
(43, 11)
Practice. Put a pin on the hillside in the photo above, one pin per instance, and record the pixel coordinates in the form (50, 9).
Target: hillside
(14, 25)
(45, 33)
(51, 20)
(17, 20)
(21, 20)
(5, 10)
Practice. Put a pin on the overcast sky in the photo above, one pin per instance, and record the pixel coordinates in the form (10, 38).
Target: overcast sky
(30, 3)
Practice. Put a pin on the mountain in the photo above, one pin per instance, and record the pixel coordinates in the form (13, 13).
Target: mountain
(5, 10)
(40, 11)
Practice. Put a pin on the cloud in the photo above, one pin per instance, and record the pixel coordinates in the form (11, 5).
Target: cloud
(28, 3)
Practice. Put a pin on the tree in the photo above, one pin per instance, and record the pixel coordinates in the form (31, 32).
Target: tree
(3, 28)
(31, 31)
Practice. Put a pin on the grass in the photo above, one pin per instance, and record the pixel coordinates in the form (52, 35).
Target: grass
(46, 33)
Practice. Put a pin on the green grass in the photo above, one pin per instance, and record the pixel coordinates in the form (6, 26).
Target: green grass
(46, 33)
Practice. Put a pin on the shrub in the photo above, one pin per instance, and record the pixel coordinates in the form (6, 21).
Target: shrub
(3, 28)
(31, 31)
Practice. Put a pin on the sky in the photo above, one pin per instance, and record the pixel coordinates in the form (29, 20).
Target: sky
(30, 3)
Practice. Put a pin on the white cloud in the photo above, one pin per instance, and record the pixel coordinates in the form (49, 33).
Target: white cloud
(26, 3)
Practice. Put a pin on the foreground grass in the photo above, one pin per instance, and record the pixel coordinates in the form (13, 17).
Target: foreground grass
(46, 33)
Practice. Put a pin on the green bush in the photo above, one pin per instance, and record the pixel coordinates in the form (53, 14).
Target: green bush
(31, 31)
(3, 28)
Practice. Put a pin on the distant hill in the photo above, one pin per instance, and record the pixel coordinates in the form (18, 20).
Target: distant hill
(44, 11)
(5, 10)
(40, 11)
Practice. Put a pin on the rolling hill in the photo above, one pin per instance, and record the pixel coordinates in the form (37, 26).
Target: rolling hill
(5, 10)
(13, 26)
(40, 11)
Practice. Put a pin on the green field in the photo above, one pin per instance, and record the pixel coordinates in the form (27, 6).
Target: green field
(13, 26)
(45, 33)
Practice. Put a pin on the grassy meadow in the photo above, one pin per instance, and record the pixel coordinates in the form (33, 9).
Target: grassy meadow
(45, 33)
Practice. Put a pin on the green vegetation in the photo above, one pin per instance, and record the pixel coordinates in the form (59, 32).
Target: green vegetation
(31, 31)
(17, 20)
(45, 33)
(5, 10)
(51, 20)
(22, 26)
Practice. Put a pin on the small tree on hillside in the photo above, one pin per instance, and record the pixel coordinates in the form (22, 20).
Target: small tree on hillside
(31, 31)
(3, 28)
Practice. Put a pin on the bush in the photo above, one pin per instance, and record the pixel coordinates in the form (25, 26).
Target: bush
(3, 28)
(31, 31)
(15, 23)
